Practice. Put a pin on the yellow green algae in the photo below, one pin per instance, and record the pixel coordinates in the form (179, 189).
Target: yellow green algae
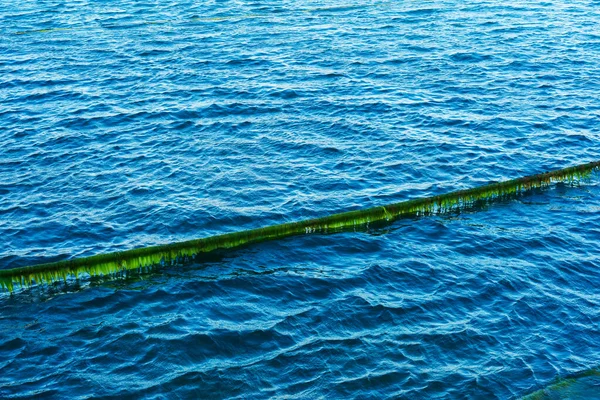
(583, 385)
(45, 30)
(182, 252)
(205, 19)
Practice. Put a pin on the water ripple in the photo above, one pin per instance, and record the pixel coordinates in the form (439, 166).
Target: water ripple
(139, 124)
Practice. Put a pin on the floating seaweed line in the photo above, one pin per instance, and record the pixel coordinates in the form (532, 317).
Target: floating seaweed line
(146, 258)
(582, 385)
(216, 18)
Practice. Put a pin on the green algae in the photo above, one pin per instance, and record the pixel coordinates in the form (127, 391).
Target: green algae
(45, 30)
(183, 252)
(346, 7)
(229, 18)
(579, 386)
(238, 17)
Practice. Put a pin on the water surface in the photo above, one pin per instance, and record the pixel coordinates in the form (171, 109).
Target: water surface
(141, 123)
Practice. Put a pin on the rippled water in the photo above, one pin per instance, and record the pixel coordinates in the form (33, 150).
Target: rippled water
(138, 123)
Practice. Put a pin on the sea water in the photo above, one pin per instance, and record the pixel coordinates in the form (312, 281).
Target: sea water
(128, 124)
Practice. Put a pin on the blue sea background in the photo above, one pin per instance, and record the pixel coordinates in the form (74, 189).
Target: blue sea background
(128, 124)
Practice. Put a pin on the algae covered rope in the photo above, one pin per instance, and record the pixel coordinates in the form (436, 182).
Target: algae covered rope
(111, 263)
(582, 385)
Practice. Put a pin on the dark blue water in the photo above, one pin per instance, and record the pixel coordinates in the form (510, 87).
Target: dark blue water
(126, 124)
